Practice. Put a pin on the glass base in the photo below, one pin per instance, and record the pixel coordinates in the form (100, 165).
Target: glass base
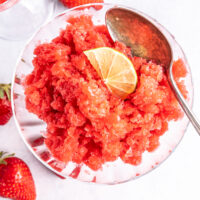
(24, 18)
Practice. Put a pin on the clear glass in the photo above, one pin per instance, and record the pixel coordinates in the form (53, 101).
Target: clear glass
(32, 129)
(19, 19)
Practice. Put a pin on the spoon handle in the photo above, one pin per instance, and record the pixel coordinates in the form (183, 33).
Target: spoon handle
(191, 116)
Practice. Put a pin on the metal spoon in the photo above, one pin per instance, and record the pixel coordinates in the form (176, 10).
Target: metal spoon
(152, 46)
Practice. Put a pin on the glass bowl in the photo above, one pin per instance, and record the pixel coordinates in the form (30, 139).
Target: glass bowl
(19, 19)
(32, 129)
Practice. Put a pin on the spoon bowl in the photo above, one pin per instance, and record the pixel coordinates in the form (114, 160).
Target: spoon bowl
(145, 39)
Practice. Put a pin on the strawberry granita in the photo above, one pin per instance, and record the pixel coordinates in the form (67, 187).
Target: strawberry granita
(86, 123)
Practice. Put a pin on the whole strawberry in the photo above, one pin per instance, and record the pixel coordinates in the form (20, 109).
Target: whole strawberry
(16, 181)
(73, 3)
(5, 104)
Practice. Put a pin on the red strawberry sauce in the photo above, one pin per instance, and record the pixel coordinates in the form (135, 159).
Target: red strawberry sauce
(86, 123)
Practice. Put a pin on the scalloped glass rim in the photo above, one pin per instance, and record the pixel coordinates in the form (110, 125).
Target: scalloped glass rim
(112, 172)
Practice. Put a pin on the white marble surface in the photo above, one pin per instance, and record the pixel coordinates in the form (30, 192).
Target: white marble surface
(176, 178)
